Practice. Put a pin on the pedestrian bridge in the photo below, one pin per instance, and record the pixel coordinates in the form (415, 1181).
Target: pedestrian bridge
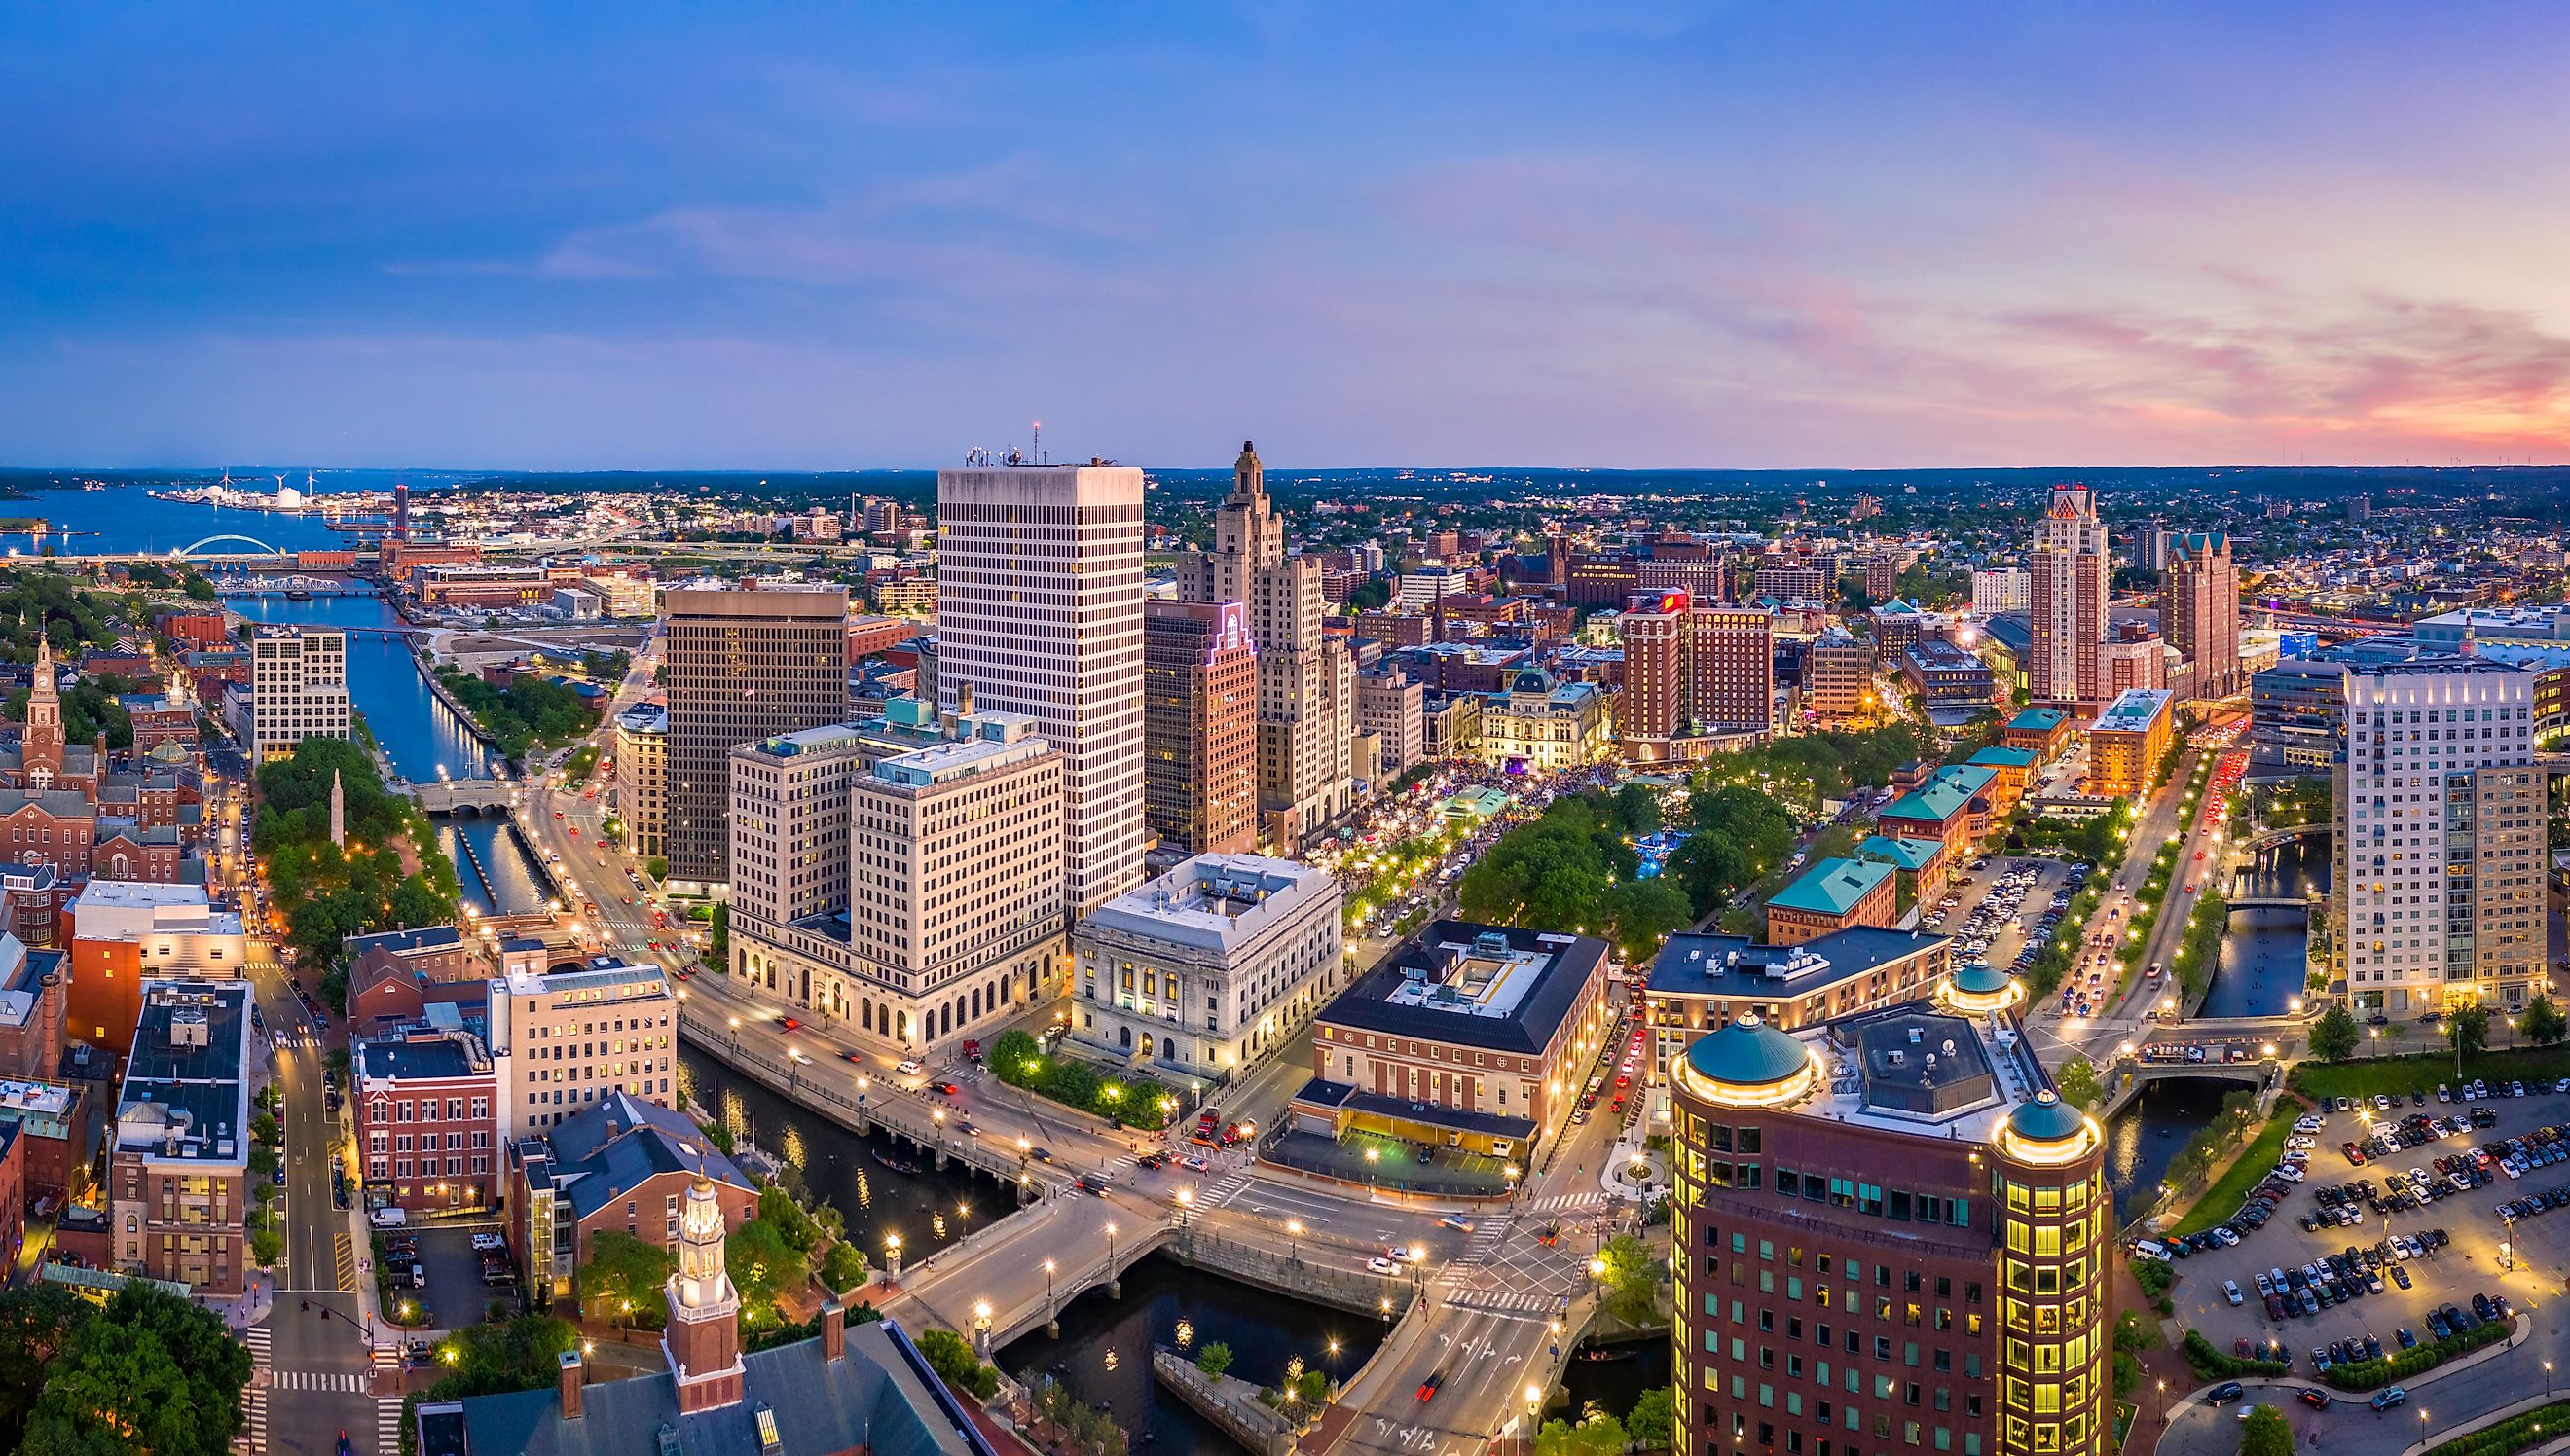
(2277, 901)
(2269, 838)
(473, 797)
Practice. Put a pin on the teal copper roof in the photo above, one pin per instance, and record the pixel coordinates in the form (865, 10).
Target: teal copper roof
(1832, 886)
(1747, 1053)
(1981, 980)
(2047, 1119)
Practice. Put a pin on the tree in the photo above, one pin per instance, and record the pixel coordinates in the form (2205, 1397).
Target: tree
(623, 1279)
(151, 1373)
(955, 1362)
(1653, 1418)
(844, 1267)
(2078, 1083)
(1645, 912)
(718, 935)
(762, 1265)
(1213, 1360)
(1631, 1278)
(2334, 1036)
(34, 1324)
(2265, 1433)
(2469, 1027)
(2542, 1023)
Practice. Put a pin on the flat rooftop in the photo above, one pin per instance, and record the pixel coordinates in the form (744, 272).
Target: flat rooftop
(1215, 902)
(1497, 987)
(184, 1098)
(2133, 710)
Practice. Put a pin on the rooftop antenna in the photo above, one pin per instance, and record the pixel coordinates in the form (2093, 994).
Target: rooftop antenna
(1038, 444)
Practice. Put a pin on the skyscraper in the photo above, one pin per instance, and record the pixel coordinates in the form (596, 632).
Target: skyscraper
(1200, 725)
(2070, 570)
(2200, 610)
(2439, 830)
(744, 665)
(1040, 611)
(1305, 680)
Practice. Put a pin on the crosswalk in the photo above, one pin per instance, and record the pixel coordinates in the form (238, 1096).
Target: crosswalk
(1560, 1203)
(1488, 1234)
(388, 1407)
(1519, 1304)
(1223, 1189)
(347, 1382)
(255, 1395)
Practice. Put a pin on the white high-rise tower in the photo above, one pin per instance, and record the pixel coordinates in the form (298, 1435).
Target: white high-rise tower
(1039, 612)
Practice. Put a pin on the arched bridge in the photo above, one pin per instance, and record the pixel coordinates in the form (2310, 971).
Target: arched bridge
(2124, 1080)
(2268, 837)
(198, 553)
(464, 796)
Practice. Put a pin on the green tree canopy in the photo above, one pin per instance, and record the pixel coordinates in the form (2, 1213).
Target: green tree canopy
(2334, 1035)
(2541, 1021)
(2265, 1433)
(151, 1373)
(623, 1279)
(1653, 1419)
(1631, 1278)
(2469, 1027)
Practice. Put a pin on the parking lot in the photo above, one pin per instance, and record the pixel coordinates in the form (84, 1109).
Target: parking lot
(2398, 1225)
(2001, 912)
(455, 1295)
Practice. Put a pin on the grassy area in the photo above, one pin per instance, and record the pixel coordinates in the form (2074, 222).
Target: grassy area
(2366, 1076)
(2254, 1162)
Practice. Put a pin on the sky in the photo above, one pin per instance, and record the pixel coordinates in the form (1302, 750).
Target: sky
(1613, 235)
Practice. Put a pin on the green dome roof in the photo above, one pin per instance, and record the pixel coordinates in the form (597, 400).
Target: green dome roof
(2047, 1119)
(1981, 980)
(1747, 1053)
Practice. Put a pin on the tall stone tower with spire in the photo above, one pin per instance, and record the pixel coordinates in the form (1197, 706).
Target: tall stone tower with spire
(1305, 680)
(41, 747)
(338, 813)
(702, 1341)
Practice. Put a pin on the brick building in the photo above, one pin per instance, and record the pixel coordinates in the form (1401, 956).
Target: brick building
(1832, 896)
(427, 1119)
(179, 1159)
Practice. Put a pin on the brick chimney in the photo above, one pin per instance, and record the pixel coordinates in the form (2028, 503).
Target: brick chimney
(571, 1383)
(834, 1331)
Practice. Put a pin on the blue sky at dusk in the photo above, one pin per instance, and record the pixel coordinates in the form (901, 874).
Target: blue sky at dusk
(1613, 235)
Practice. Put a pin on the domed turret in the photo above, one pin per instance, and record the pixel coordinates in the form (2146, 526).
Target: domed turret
(2045, 1131)
(1981, 989)
(1748, 1062)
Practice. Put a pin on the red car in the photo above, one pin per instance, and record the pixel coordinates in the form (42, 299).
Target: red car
(947, 1089)
(1428, 1387)
(858, 1058)
(788, 1023)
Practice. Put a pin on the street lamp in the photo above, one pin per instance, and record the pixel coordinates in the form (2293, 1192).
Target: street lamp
(1186, 1203)
(735, 1037)
(1294, 1237)
(1373, 1156)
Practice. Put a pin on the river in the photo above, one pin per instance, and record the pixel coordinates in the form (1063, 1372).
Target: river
(2142, 1139)
(2264, 952)
(1105, 1353)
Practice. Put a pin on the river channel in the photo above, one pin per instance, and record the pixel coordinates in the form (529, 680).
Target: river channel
(414, 728)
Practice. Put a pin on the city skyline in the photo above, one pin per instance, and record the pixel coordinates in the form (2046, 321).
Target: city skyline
(1719, 237)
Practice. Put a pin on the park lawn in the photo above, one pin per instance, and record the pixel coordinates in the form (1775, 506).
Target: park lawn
(2255, 1161)
(2401, 1076)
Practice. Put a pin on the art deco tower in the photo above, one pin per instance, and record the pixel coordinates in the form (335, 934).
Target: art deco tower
(1305, 680)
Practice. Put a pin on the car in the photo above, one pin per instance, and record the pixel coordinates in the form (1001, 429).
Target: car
(2315, 1400)
(857, 1057)
(2404, 1338)
(2222, 1394)
(1040, 1155)
(1427, 1388)
(489, 1242)
(910, 1067)
(1382, 1265)
(276, 1176)
(2389, 1399)
(2231, 1291)
(1194, 1164)
(788, 1023)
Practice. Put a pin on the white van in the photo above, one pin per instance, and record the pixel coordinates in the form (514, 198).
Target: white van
(2142, 1248)
(388, 1218)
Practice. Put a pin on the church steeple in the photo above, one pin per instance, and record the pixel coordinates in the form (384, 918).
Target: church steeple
(703, 1342)
(40, 752)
